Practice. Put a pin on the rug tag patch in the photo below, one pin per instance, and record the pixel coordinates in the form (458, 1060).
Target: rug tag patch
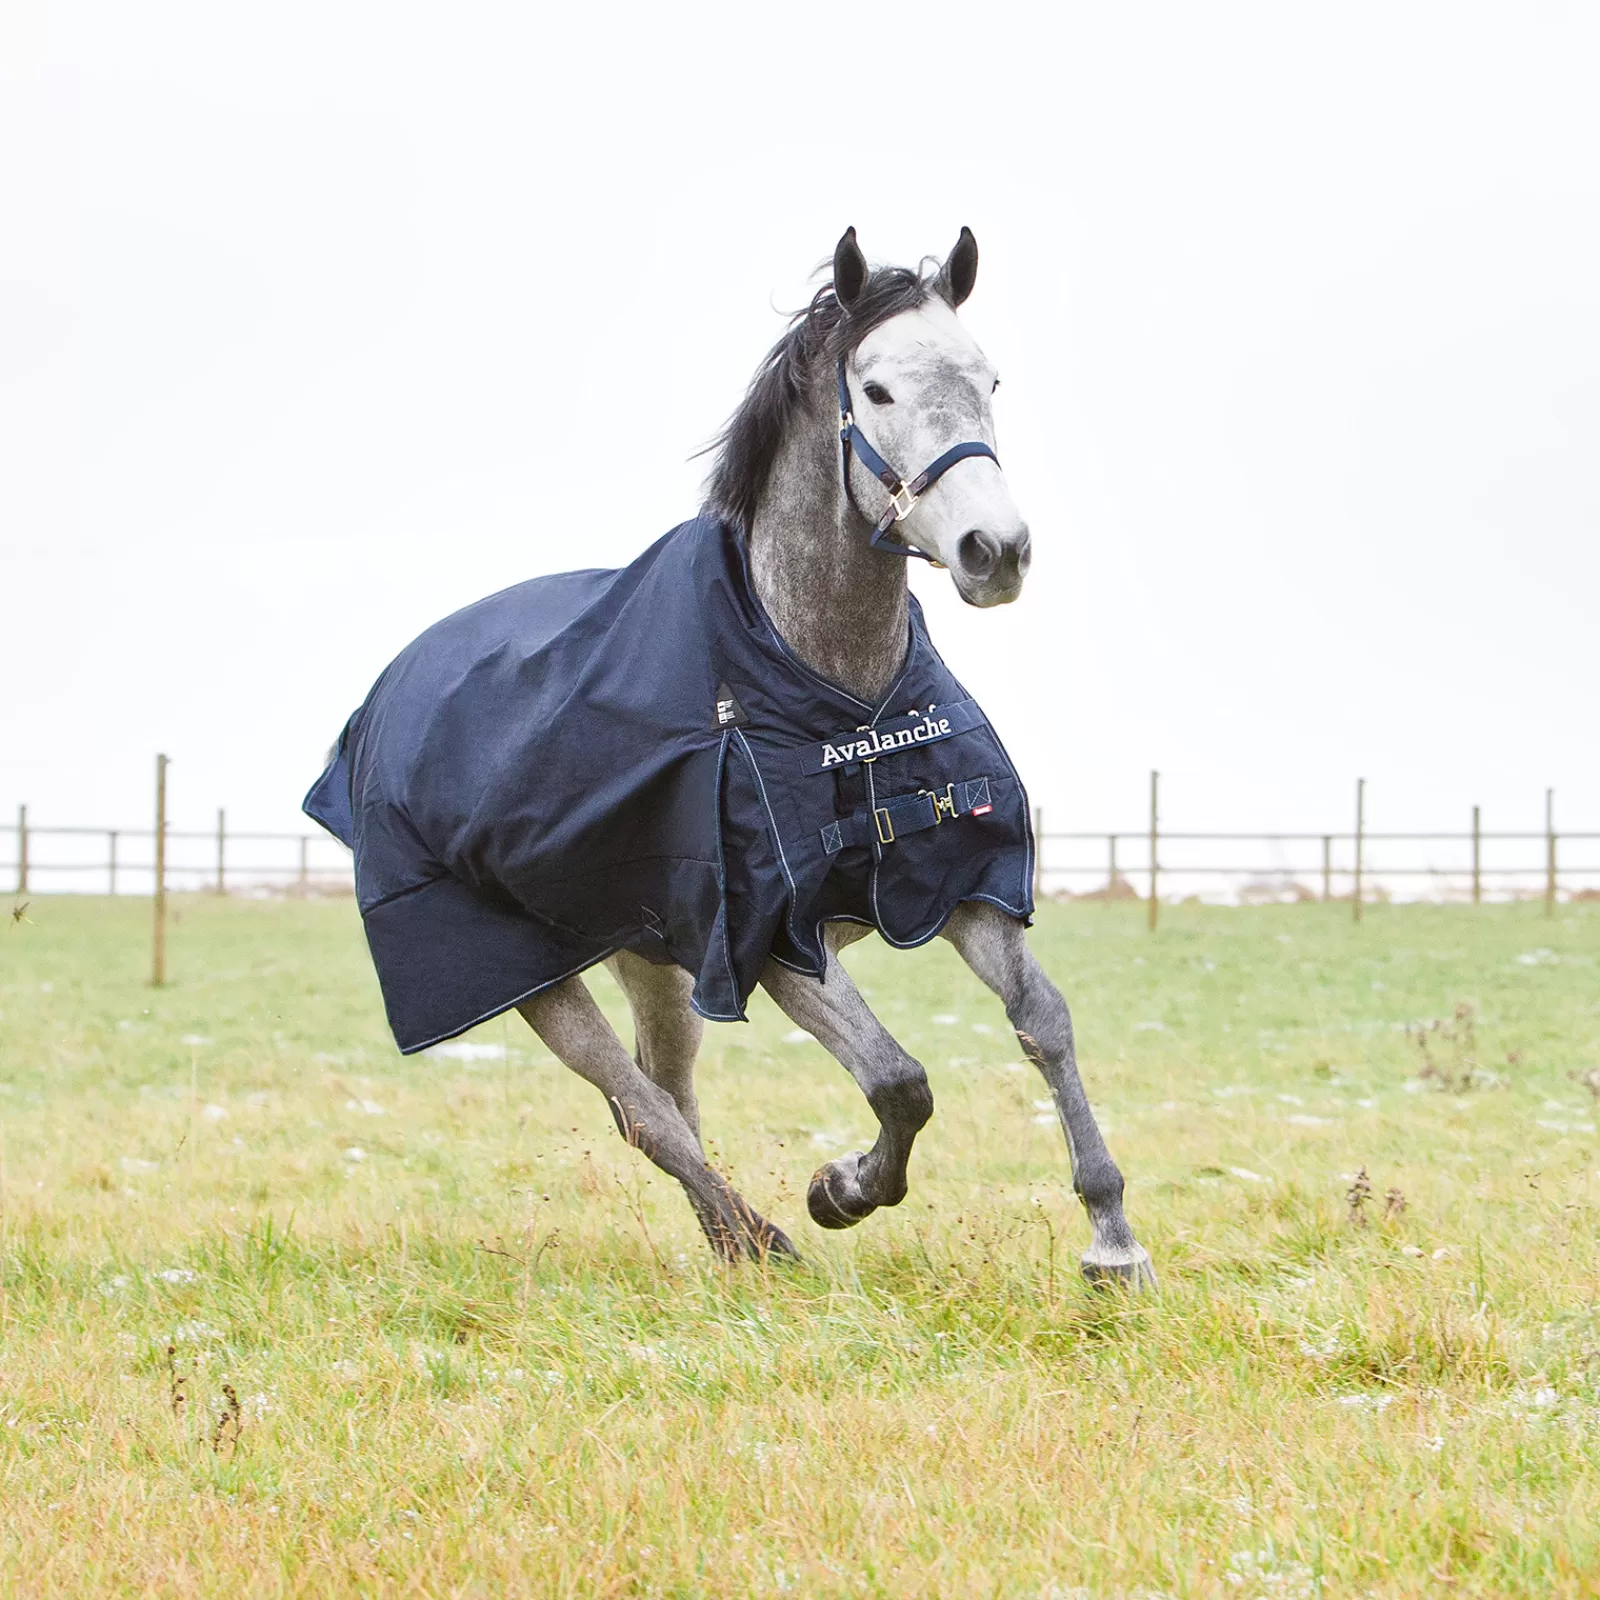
(729, 713)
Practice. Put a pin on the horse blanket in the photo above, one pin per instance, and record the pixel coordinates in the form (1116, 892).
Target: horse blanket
(634, 759)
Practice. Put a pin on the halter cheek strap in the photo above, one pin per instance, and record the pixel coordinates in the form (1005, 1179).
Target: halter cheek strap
(903, 496)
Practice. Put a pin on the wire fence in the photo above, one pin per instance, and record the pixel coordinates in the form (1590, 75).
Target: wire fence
(1223, 868)
(60, 860)
(1266, 868)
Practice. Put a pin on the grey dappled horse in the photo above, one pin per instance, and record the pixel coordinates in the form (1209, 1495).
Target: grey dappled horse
(921, 384)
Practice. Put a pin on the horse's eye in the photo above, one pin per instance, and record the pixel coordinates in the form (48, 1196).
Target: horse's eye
(878, 395)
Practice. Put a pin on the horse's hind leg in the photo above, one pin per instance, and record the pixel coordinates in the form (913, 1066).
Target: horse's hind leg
(576, 1031)
(994, 946)
(667, 1028)
(834, 1013)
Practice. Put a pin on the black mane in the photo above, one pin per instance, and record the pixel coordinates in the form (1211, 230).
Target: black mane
(780, 391)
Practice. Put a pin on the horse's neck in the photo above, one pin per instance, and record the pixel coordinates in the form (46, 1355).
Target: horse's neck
(839, 605)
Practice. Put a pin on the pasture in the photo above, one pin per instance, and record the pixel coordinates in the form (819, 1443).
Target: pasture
(283, 1313)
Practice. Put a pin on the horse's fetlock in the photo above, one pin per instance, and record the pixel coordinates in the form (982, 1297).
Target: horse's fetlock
(906, 1102)
(1099, 1187)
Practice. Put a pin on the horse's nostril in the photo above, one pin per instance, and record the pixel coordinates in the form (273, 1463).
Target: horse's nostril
(1022, 552)
(980, 554)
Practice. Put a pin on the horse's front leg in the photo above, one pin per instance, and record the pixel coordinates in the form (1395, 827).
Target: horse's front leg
(994, 945)
(832, 1011)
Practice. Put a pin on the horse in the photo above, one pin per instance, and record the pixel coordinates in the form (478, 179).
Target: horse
(530, 789)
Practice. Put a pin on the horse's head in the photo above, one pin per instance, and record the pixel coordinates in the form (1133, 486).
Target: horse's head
(916, 402)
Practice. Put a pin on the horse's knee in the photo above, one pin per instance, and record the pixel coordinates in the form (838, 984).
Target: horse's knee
(1038, 1011)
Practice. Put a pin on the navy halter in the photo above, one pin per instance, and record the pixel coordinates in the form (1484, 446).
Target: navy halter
(903, 496)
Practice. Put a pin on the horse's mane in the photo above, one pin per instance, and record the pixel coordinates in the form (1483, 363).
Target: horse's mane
(779, 394)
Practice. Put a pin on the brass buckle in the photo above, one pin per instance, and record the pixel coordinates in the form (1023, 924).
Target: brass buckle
(944, 805)
(866, 761)
(881, 820)
(896, 495)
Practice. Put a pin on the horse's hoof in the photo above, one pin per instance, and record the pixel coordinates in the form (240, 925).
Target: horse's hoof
(834, 1198)
(736, 1233)
(772, 1242)
(1129, 1269)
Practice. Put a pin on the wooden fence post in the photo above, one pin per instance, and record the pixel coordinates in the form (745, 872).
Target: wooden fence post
(1549, 852)
(302, 861)
(22, 850)
(1327, 867)
(1155, 903)
(111, 860)
(158, 963)
(1361, 830)
(1111, 882)
(1477, 859)
(1038, 852)
(222, 851)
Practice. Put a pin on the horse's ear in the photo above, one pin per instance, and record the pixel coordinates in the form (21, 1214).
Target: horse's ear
(960, 271)
(849, 270)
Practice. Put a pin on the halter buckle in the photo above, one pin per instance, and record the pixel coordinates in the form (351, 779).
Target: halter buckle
(898, 494)
(846, 423)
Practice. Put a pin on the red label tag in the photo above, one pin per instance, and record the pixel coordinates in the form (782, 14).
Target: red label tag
(982, 811)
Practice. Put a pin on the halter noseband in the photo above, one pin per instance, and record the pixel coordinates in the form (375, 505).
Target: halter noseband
(903, 496)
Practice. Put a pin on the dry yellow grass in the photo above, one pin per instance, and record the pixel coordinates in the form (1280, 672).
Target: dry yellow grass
(477, 1346)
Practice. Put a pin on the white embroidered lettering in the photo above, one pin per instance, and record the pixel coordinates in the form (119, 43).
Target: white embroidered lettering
(873, 742)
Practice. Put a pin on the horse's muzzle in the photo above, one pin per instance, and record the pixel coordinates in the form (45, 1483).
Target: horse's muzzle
(989, 567)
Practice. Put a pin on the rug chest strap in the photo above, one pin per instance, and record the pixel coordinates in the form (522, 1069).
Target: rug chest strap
(907, 814)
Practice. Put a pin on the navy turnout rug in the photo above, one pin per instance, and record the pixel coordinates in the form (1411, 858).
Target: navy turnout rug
(633, 759)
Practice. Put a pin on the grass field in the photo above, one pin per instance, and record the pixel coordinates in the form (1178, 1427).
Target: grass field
(282, 1313)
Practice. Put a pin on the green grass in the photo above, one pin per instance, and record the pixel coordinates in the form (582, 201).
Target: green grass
(490, 1352)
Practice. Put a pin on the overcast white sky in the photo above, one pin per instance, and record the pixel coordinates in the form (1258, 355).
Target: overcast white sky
(317, 321)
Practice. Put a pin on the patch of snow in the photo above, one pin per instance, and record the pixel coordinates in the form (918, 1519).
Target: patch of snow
(465, 1050)
(195, 1333)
